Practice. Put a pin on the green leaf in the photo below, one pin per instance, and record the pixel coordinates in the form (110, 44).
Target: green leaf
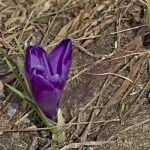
(8, 58)
(20, 48)
(21, 95)
(30, 101)
(122, 106)
(20, 65)
(11, 67)
(17, 92)
(27, 96)
(60, 124)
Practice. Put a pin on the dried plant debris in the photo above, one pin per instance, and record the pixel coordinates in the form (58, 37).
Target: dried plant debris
(106, 100)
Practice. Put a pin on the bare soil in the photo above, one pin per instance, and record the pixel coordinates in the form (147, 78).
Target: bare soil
(106, 101)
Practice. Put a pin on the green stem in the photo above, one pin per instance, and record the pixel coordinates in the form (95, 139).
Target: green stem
(55, 137)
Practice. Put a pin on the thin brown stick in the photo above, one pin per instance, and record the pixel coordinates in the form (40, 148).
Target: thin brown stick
(27, 22)
(83, 139)
(90, 143)
(34, 129)
(135, 125)
(136, 101)
(53, 13)
(129, 128)
(99, 61)
(121, 31)
(109, 73)
(49, 27)
(2, 146)
(87, 52)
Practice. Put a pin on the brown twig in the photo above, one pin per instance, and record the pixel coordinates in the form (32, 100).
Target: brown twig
(109, 73)
(89, 143)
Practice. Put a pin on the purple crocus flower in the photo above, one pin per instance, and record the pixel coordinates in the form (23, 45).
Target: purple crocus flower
(47, 74)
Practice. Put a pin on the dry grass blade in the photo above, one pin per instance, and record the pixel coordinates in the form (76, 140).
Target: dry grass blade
(107, 93)
(125, 85)
(90, 143)
(114, 74)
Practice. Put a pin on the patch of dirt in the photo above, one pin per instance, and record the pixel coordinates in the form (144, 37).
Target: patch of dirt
(106, 99)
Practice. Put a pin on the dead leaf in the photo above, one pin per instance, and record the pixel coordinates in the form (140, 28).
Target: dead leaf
(96, 30)
(73, 24)
(1, 86)
(63, 31)
(5, 44)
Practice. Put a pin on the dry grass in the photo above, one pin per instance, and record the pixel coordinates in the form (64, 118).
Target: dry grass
(105, 99)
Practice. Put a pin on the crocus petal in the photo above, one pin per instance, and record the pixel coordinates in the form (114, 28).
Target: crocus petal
(45, 95)
(60, 58)
(47, 74)
(35, 55)
(40, 70)
(57, 81)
